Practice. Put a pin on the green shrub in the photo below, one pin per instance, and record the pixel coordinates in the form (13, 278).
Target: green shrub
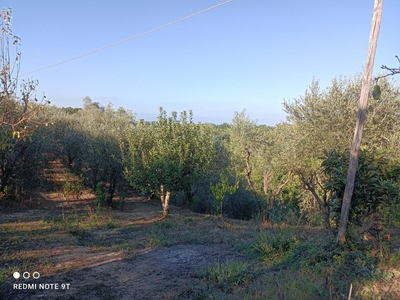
(349, 263)
(221, 189)
(202, 200)
(239, 205)
(101, 197)
(21, 166)
(275, 246)
(72, 187)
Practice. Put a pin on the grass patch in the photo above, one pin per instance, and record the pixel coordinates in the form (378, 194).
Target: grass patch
(165, 224)
(154, 241)
(275, 246)
(229, 274)
(130, 229)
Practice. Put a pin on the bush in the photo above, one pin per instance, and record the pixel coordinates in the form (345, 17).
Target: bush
(349, 263)
(202, 201)
(275, 246)
(21, 166)
(239, 205)
(285, 213)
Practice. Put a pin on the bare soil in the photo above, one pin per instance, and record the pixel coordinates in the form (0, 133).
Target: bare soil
(83, 271)
(149, 273)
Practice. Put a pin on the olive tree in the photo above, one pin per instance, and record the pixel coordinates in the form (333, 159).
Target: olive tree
(168, 155)
(86, 142)
(256, 157)
(324, 120)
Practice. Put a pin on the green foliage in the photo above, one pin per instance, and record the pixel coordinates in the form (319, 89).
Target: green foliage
(20, 162)
(240, 205)
(341, 265)
(153, 241)
(324, 119)
(72, 187)
(275, 246)
(284, 213)
(229, 274)
(391, 215)
(21, 165)
(245, 136)
(170, 153)
(101, 197)
(70, 110)
(87, 142)
(203, 201)
(373, 188)
(376, 93)
(221, 189)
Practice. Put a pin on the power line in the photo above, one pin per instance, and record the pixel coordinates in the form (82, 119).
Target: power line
(130, 38)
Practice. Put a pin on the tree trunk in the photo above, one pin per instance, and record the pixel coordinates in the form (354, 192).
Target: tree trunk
(268, 199)
(326, 215)
(249, 182)
(271, 197)
(362, 109)
(111, 189)
(164, 196)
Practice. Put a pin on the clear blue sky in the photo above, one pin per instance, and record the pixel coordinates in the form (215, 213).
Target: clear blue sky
(249, 54)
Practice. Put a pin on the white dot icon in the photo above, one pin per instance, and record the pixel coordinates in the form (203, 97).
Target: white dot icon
(16, 275)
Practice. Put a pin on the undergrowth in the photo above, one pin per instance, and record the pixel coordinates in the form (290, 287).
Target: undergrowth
(306, 263)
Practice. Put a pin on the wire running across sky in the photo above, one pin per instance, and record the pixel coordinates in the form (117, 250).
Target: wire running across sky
(130, 38)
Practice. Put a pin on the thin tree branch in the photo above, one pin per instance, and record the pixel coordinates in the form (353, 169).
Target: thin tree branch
(393, 71)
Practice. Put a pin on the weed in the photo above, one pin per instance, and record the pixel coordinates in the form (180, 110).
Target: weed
(190, 238)
(230, 274)
(154, 241)
(274, 247)
(129, 248)
(4, 273)
(110, 225)
(101, 197)
(130, 229)
(165, 224)
(46, 262)
(72, 187)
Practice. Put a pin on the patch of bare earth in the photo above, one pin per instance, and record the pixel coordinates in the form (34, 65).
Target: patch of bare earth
(161, 273)
(72, 269)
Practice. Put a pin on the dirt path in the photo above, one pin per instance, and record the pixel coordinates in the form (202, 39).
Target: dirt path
(153, 274)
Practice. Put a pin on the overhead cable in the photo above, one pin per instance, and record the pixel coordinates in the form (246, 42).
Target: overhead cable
(130, 38)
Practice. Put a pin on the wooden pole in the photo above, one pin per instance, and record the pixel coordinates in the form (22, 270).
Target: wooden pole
(362, 110)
